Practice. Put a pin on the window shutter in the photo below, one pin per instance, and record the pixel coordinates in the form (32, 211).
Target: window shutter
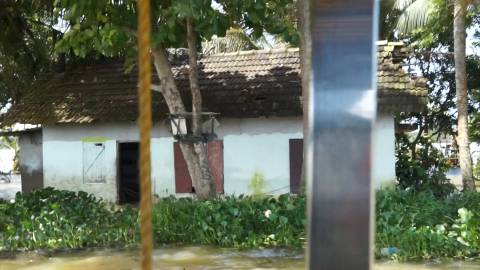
(296, 164)
(183, 181)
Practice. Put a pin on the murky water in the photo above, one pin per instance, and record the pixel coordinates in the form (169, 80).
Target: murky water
(191, 258)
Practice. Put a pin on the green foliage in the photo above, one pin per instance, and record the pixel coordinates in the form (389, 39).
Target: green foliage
(52, 219)
(26, 41)
(232, 222)
(109, 27)
(423, 226)
(427, 23)
(419, 224)
(423, 171)
(388, 19)
(473, 68)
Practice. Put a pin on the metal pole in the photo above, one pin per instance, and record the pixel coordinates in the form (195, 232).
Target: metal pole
(342, 109)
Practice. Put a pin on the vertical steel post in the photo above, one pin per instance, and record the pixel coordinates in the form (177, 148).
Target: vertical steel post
(342, 110)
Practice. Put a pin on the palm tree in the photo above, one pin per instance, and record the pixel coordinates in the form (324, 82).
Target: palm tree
(234, 40)
(8, 143)
(415, 14)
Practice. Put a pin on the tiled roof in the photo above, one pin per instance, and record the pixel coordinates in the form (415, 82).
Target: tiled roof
(398, 91)
(244, 84)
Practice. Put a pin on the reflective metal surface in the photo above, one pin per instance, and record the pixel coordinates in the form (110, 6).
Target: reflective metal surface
(342, 109)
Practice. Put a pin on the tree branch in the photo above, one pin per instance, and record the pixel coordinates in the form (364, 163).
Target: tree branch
(156, 88)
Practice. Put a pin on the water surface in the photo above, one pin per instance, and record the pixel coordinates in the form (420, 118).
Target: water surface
(192, 258)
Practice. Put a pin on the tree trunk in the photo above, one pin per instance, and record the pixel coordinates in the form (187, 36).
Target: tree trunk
(175, 104)
(204, 182)
(459, 36)
(303, 13)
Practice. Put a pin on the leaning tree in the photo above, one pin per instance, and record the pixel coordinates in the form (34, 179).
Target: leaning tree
(109, 28)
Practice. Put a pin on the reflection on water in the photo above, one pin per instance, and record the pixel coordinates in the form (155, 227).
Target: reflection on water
(190, 258)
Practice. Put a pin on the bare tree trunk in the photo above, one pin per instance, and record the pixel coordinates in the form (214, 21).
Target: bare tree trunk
(175, 104)
(204, 183)
(303, 13)
(193, 78)
(465, 157)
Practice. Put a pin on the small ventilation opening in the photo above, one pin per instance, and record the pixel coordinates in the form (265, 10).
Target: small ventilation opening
(129, 185)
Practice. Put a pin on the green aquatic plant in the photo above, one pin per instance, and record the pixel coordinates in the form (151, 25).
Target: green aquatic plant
(53, 219)
(424, 226)
(410, 225)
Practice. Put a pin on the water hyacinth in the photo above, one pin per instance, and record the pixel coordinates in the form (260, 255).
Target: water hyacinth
(53, 219)
(424, 226)
(410, 225)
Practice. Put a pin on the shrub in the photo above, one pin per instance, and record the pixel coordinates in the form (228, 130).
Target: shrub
(423, 226)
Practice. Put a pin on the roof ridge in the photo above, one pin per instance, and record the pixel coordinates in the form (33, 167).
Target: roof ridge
(296, 49)
(389, 43)
(262, 51)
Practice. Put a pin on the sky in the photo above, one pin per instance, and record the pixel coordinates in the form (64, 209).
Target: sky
(471, 50)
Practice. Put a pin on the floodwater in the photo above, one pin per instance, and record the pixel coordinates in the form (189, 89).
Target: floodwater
(191, 258)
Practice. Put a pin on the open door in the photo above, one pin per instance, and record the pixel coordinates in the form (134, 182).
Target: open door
(128, 174)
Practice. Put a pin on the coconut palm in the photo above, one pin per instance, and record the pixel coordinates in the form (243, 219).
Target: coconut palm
(8, 143)
(415, 14)
(234, 40)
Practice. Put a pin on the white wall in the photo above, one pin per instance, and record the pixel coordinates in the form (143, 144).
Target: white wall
(383, 144)
(250, 146)
(258, 145)
(63, 157)
(253, 145)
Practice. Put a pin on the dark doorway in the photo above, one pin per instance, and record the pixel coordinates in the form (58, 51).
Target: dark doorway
(296, 164)
(128, 176)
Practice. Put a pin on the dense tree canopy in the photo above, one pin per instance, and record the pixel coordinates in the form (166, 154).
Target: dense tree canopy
(27, 37)
(108, 27)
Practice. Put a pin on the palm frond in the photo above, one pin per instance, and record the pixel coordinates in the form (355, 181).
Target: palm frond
(8, 143)
(413, 16)
(235, 40)
(402, 4)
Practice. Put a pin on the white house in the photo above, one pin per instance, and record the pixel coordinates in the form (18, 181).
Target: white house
(89, 136)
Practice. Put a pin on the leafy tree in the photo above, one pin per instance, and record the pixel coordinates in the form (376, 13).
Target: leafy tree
(109, 28)
(417, 13)
(26, 45)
